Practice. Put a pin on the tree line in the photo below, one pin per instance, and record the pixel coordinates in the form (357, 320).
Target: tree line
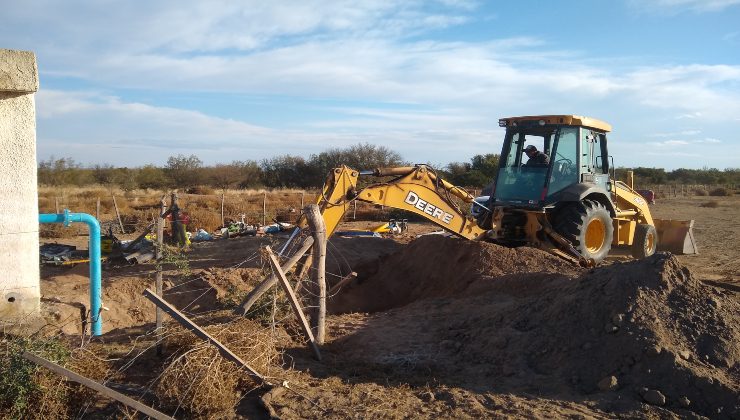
(290, 171)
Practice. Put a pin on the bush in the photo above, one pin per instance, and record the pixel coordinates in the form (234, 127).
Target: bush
(720, 192)
(700, 192)
(710, 204)
(26, 390)
(201, 190)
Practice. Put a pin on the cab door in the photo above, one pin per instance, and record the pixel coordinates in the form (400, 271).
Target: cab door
(594, 164)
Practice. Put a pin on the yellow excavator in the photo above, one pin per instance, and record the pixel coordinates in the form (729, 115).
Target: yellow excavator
(567, 202)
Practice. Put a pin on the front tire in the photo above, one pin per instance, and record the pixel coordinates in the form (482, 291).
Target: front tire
(588, 226)
(645, 241)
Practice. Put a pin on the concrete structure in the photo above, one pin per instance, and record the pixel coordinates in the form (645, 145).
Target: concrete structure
(19, 216)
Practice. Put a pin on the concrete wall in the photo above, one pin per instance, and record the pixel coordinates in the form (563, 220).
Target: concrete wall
(19, 227)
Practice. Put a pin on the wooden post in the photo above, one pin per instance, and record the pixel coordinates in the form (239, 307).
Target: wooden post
(56, 205)
(118, 214)
(354, 212)
(270, 281)
(222, 209)
(318, 230)
(144, 409)
(158, 285)
(195, 329)
(293, 302)
(264, 209)
(97, 209)
(302, 197)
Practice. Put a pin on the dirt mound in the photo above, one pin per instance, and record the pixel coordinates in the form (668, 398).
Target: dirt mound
(643, 331)
(437, 266)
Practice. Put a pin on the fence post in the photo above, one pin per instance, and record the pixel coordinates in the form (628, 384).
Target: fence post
(264, 208)
(159, 251)
(222, 209)
(118, 214)
(56, 205)
(318, 230)
(97, 209)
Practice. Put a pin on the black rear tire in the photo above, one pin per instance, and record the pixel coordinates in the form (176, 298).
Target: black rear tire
(588, 226)
(645, 241)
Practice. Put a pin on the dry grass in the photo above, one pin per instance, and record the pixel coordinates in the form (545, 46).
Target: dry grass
(201, 382)
(138, 208)
(710, 204)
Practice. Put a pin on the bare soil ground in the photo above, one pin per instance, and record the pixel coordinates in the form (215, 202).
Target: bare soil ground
(440, 327)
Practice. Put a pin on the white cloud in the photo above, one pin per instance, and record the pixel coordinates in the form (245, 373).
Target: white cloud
(669, 143)
(674, 134)
(708, 140)
(360, 52)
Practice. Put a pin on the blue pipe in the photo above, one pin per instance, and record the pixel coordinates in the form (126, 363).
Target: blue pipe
(94, 251)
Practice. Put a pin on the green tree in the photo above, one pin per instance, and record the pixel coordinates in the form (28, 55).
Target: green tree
(184, 171)
(481, 171)
(242, 174)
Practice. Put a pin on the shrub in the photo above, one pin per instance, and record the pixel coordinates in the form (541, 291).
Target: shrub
(700, 192)
(720, 192)
(710, 204)
(201, 190)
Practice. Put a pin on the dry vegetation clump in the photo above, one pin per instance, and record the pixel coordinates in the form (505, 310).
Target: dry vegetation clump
(204, 219)
(29, 391)
(201, 382)
(700, 192)
(710, 204)
(720, 192)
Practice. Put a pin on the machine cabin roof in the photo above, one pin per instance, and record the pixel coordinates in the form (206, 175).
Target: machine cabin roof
(575, 120)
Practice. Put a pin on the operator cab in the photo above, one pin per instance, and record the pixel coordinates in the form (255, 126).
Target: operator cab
(575, 149)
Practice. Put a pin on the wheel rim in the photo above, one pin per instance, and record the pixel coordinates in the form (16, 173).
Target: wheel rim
(595, 233)
(649, 243)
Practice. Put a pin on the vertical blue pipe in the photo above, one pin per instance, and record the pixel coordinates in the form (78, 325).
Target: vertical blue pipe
(94, 251)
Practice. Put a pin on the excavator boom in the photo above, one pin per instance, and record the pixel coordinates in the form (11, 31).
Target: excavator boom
(417, 189)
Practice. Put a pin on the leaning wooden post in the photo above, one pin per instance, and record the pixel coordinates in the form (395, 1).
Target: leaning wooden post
(118, 214)
(270, 281)
(97, 209)
(159, 255)
(294, 302)
(226, 353)
(318, 230)
(130, 402)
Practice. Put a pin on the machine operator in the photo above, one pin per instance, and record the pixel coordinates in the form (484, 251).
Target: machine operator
(536, 158)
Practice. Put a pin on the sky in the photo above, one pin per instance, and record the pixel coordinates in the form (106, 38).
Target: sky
(130, 83)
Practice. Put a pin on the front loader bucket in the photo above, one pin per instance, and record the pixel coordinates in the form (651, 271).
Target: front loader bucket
(676, 236)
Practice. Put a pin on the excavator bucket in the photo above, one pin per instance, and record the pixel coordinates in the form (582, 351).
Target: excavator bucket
(676, 236)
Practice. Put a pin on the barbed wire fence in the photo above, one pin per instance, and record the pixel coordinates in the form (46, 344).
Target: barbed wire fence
(141, 343)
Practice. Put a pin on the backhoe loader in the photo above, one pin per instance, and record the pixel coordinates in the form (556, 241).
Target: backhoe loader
(571, 205)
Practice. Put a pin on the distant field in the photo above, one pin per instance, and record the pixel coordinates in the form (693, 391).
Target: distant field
(138, 208)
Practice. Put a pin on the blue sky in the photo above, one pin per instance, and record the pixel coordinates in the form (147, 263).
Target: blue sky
(131, 83)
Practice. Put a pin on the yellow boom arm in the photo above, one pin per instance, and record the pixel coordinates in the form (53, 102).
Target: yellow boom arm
(417, 189)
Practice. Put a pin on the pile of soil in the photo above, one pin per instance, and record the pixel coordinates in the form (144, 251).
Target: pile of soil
(623, 335)
(436, 266)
